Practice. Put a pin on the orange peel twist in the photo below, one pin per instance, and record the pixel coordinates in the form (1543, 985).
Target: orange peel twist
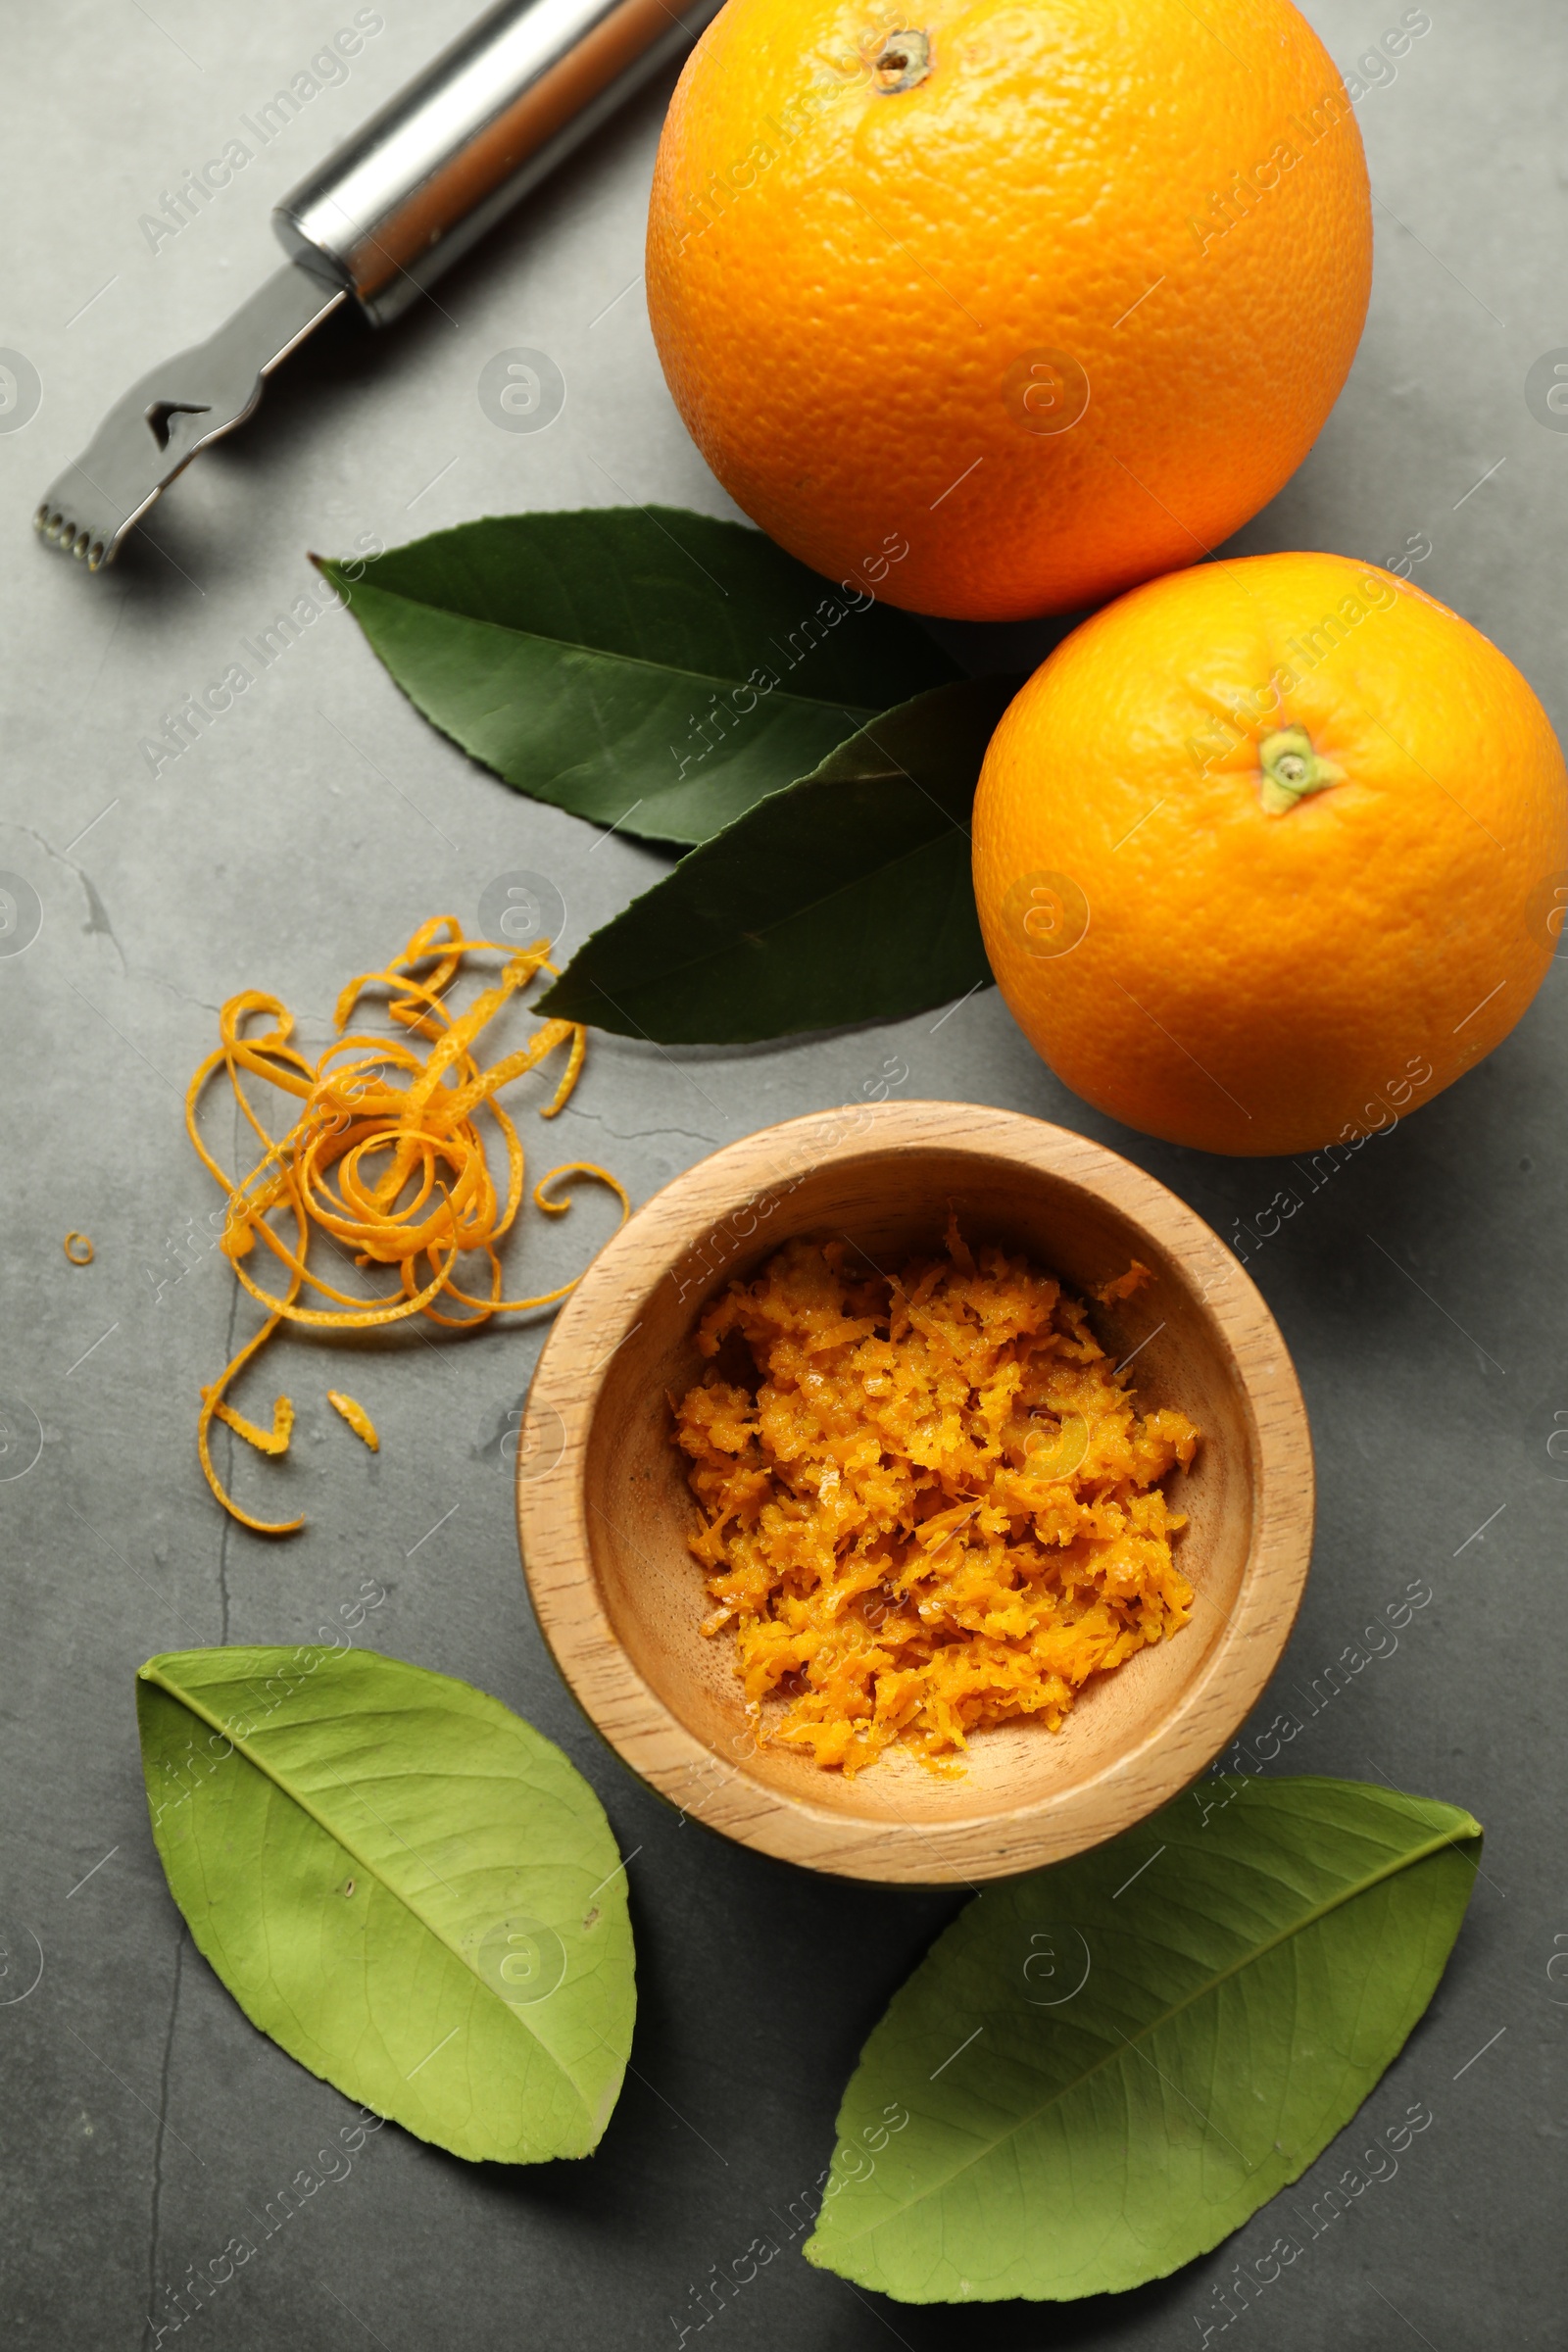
(384, 1159)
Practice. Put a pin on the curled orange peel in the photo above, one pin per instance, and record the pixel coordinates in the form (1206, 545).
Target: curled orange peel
(265, 1440)
(384, 1159)
(358, 1419)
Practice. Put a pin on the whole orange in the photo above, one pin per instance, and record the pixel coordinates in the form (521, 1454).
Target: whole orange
(1003, 306)
(1269, 851)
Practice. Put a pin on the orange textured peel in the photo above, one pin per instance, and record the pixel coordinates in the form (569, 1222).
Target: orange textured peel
(930, 1506)
(384, 1161)
(272, 1441)
(358, 1419)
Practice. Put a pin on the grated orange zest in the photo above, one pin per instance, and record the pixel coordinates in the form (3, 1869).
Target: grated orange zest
(929, 1505)
(1124, 1285)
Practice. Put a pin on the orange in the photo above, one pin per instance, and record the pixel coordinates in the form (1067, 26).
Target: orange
(1005, 305)
(1269, 851)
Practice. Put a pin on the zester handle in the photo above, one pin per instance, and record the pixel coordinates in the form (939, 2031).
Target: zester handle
(439, 164)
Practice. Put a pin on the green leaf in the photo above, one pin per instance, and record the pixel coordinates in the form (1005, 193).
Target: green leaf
(401, 1884)
(845, 898)
(641, 666)
(1105, 2073)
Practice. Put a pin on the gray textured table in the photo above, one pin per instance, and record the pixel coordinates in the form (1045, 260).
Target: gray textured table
(303, 837)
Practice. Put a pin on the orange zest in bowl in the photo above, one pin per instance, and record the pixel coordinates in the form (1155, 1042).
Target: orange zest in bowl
(384, 1162)
(929, 1503)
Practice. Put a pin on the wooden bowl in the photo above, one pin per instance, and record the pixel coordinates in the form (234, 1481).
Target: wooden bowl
(603, 1508)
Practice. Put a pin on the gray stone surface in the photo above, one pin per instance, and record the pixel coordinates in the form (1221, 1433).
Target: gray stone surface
(301, 838)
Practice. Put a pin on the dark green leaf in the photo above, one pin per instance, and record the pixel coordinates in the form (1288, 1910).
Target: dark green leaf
(1105, 2068)
(846, 897)
(644, 666)
(400, 1882)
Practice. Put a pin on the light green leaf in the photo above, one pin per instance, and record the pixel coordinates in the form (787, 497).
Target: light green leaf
(1105, 2068)
(644, 666)
(845, 898)
(401, 1884)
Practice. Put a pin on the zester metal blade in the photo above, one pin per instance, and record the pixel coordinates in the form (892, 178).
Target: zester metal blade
(155, 429)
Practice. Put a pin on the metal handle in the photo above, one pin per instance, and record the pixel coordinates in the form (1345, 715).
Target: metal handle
(428, 175)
